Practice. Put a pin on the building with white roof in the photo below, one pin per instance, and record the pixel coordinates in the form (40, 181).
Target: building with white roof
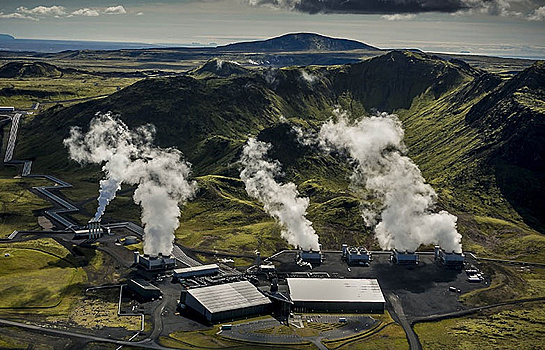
(226, 301)
(336, 295)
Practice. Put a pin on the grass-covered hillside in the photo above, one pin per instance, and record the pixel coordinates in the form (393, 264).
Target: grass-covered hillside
(462, 126)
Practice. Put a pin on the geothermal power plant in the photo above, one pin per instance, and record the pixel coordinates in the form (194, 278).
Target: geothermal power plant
(307, 279)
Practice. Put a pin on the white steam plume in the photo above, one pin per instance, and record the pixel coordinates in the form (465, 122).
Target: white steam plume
(130, 157)
(405, 200)
(110, 142)
(281, 201)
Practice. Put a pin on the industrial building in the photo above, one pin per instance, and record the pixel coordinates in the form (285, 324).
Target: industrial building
(336, 295)
(449, 260)
(196, 271)
(226, 301)
(144, 289)
(7, 109)
(310, 256)
(404, 257)
(93, 231)
(267, 268)
(355, 255)
(154, 263)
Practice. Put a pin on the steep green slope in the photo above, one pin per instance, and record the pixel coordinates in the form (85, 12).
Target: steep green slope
(209, 114)
(512, 120)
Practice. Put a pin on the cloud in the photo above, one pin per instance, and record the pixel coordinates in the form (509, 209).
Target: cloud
(38, 12)
(396, 9)
(537, 15)
(86, 12)
(52, 11)
(17, 16)
(399, 17)
(365, 6)
(491, 7)
(115, 10)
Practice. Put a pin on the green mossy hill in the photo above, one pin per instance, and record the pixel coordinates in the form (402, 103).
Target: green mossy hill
(219, 68)
(299, 42)
(392, 81)
(209, 118)
(513, 115)
(511, 121)
(29, 70)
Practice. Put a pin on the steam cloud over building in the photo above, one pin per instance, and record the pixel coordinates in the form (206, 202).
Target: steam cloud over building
(281, 201)
(396, 199)
(128, 156)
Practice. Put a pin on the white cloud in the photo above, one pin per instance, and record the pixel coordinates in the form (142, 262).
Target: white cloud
(494, 7)
(53, 11)
(538, 14)
(115, 10)
(86, 12)
(399, 17)
(17, 16)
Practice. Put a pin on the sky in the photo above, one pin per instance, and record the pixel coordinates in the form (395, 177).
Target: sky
(513, 28)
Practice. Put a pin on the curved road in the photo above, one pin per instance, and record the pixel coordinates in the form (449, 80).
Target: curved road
(414, 342)
(146, 343)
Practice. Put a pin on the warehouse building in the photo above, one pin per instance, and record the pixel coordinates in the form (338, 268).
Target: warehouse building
(144, 289)
(196, 271)
(336, 295)
(226, 301)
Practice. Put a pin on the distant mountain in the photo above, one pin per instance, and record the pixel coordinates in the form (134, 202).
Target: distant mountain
(29, 70)
(6, 37)
(298, 42)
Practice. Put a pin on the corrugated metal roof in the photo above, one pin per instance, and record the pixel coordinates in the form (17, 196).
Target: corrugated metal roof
(230, 296)
(335, 290)
(196, 268)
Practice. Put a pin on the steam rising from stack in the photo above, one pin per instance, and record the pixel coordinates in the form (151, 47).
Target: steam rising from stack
(395, 192)
(281, 201)
(130, 157)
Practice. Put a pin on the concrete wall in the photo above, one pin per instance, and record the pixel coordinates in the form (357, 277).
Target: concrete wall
(338, 307)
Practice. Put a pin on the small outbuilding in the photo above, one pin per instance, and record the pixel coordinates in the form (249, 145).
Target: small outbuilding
(144, 289)
(196, 271)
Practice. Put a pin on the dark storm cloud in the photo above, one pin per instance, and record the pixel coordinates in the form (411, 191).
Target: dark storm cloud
(375, 6)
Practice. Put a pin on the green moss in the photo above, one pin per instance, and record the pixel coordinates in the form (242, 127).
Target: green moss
(515, 328)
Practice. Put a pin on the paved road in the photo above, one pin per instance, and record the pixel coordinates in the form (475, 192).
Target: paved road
(455, 314)
(146, 343)
(414, 342)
